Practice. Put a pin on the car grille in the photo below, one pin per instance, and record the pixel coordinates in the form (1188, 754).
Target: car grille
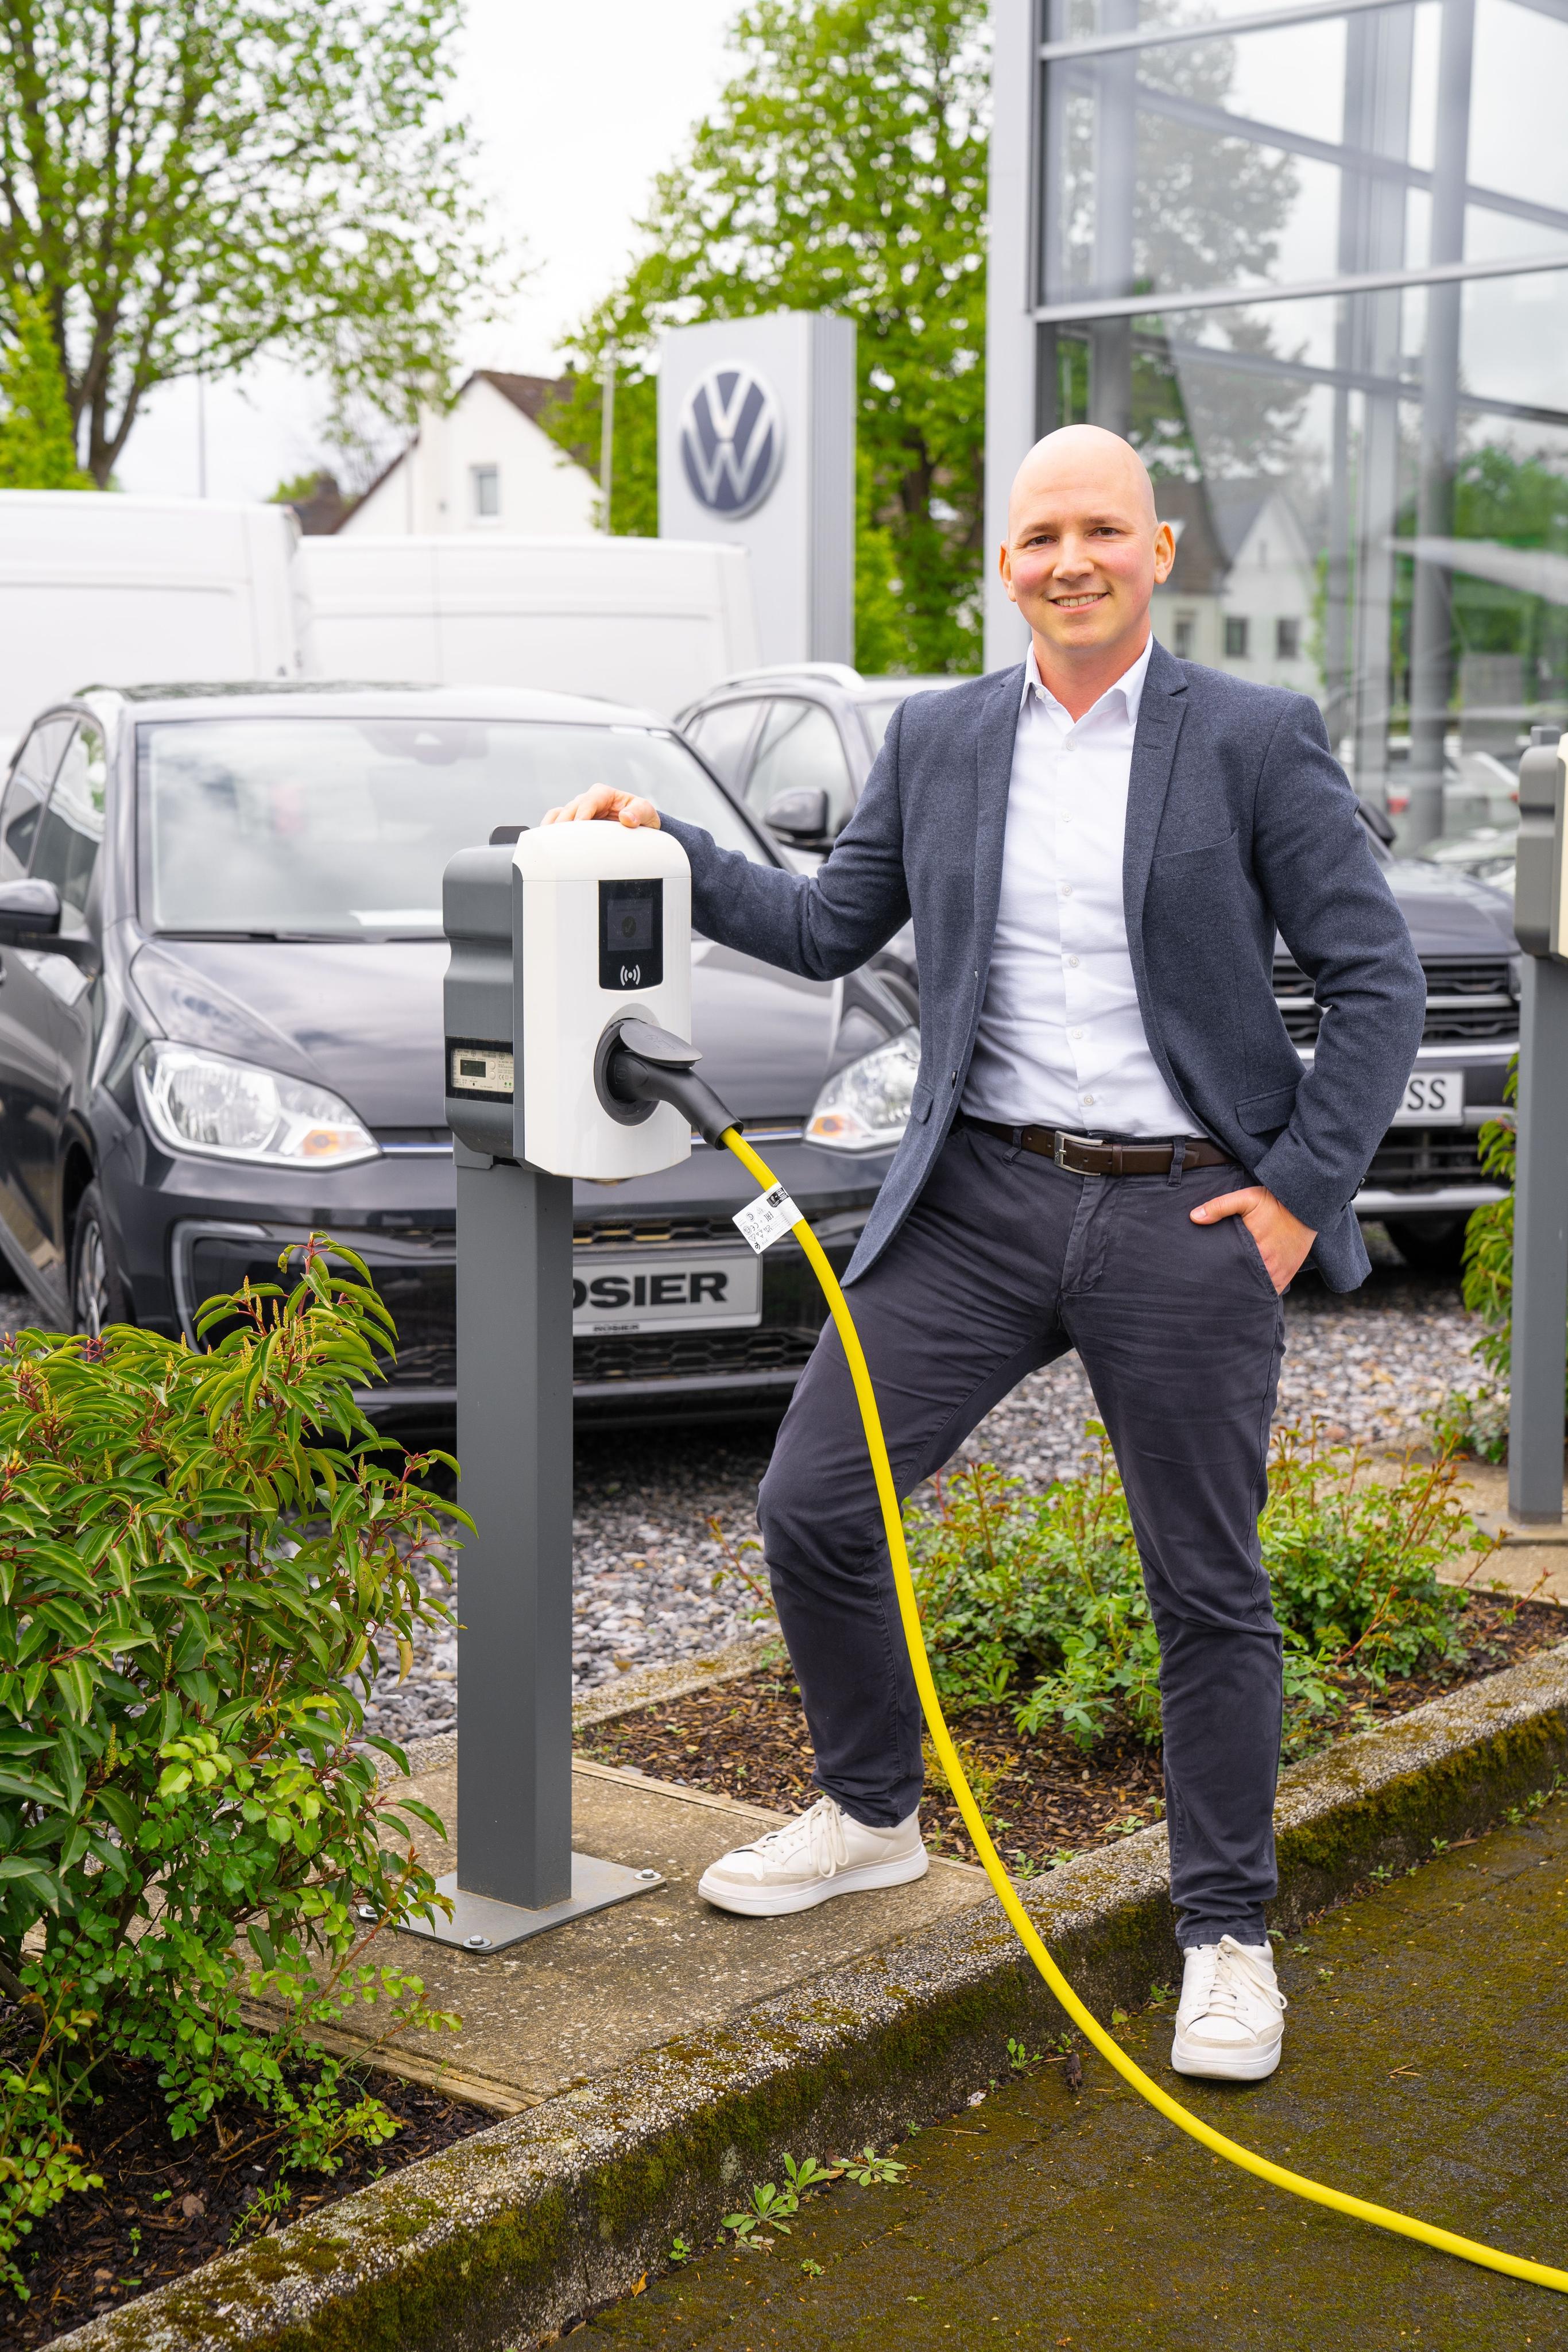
(656, 1233)
(683, 1355)
(1466, 997)
(1427, 1155)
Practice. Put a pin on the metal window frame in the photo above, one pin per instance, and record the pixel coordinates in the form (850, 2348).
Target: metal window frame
(1317, 289)
(1258, 20)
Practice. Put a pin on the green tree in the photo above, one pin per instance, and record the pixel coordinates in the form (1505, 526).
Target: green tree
(844, 168)
(38, 449)
(184, 182)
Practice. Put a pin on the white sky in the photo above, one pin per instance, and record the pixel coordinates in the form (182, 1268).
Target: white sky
(577, 104)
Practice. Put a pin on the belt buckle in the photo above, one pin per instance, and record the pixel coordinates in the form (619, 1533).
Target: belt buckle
(1089, 1142)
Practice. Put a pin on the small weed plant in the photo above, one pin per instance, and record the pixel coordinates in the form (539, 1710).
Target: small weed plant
(768, 2211)
(1036, 1601)
(201, 1555)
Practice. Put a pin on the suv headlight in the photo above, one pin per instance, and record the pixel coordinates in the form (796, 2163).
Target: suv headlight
(223, 1109)
(864, 1107)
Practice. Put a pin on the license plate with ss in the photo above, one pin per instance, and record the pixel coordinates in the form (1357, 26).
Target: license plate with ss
(1433, 1098)
(710, 1290)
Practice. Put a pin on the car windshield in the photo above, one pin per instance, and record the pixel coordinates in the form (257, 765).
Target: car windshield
(342, 827)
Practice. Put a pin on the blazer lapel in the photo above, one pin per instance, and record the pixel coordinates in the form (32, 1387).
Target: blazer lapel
(1160, 714)
(993, 774)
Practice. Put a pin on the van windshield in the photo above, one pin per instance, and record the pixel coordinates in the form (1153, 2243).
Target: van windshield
(342, 827)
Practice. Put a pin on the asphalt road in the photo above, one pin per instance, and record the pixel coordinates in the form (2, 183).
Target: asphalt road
(1427, 2065)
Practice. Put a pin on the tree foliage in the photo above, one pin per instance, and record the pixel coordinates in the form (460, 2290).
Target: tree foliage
(844, 168)
(199, 1559)
(183, 183)
(38, 448)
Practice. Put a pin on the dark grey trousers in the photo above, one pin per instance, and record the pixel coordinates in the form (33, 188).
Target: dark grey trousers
(1004, 1264)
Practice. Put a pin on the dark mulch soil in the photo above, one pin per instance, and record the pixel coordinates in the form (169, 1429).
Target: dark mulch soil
(163, 2209)
(1044, 1799)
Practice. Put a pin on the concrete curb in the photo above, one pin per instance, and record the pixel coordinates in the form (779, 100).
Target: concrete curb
(551, 2213)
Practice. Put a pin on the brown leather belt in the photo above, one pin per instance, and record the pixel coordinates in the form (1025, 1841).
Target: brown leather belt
(1086, 1155)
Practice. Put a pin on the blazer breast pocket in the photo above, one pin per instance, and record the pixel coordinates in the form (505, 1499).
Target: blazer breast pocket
(920, 1102)
(1265, 1113)
(1171, 858)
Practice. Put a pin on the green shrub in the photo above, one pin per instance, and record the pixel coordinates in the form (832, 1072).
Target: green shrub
(1037, 1600)
(199, 1558)
(1475, 1421)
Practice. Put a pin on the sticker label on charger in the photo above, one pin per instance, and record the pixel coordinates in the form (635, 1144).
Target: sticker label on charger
(762, 1220)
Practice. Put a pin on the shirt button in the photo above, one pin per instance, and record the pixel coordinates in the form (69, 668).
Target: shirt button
(1073, 961)
(1087, 1099)
(1064, 889)
(1076, 1033)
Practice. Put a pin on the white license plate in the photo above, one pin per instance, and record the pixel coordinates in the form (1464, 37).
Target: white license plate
(1433, 1098)
(717, 1290)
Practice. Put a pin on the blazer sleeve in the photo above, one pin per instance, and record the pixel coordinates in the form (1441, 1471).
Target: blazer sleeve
(822, 924)
(1341, 923)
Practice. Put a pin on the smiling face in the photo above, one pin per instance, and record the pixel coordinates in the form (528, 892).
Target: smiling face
(1085, 552)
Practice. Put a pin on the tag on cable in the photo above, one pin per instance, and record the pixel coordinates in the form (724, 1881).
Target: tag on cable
(762, 1220)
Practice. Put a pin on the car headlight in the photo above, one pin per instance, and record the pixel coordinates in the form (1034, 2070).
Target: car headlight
(223, 1109)
(864, 1107)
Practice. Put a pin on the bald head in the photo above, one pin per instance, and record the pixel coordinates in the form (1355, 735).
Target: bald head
(1084, 458)
(1084, 555)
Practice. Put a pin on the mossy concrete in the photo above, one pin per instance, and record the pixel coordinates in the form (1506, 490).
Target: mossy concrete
(1425, 2067)
(551, 2213)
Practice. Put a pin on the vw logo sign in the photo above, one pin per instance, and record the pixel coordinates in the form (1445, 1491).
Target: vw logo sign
(731, 439)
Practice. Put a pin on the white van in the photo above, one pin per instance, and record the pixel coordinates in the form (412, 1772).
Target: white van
(100, 590)
(649, 621)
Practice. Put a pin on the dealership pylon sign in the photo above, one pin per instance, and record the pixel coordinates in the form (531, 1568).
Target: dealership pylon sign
(757, 448)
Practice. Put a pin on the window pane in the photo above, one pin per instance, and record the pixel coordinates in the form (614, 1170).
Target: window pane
(72, 831)
(345, 826)
(800, 750)
(1404, 562)
(721, 735)
(26, 793)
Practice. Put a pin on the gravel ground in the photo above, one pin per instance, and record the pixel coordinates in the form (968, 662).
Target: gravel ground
(1370, 1366)
(650, 1583)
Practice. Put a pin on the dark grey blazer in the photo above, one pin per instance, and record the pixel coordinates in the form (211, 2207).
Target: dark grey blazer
(1239, 822)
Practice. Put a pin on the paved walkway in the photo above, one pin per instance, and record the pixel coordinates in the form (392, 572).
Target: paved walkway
(1427, 2066)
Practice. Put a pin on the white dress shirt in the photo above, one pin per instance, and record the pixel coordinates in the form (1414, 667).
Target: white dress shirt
(1061, 1041)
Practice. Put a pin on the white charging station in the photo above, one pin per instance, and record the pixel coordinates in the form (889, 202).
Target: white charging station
(559, 938)
(605, 915)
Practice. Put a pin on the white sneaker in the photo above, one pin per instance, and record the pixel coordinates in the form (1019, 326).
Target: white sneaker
(1231, 2021)
(824, 1853)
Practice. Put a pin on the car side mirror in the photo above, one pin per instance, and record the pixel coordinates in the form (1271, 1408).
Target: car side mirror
(801, 818)
(28, 910)
(1375, 822)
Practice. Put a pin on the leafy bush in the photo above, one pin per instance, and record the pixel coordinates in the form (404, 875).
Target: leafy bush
(1037, 1600)
(199, 1557)
(1475, 1421)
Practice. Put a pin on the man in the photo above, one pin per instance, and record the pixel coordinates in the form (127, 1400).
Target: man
(1113, 1146)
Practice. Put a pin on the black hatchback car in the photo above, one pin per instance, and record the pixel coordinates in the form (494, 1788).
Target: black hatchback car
(220, 966)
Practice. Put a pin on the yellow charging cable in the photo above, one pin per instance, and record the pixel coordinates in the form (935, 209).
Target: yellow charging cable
(1381, 2216)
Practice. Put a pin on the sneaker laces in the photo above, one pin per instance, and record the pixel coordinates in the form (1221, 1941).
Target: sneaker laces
(822, 1830)
(1237, 1976)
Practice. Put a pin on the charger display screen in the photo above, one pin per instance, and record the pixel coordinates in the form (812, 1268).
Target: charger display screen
(630, 934)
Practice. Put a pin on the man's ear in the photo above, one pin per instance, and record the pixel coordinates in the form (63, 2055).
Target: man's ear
(1165, 553)
(1005, 566)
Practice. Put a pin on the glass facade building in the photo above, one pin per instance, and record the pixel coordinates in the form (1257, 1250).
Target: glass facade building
(1314, 260)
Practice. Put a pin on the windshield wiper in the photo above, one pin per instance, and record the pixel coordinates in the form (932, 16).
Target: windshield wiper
(285, 936)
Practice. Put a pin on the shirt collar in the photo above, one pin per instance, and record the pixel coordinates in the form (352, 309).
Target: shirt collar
(1129, 686)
